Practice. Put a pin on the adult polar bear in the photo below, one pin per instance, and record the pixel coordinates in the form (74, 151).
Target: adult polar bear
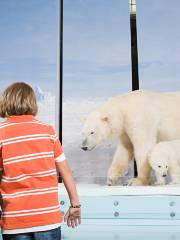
(140, 119)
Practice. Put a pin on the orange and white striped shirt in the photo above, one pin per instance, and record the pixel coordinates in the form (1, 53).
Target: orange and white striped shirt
(29, 186)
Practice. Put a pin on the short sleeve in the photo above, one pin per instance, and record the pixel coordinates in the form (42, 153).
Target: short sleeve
(58, 151)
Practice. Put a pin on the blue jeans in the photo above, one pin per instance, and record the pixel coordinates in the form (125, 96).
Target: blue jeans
(54, 234)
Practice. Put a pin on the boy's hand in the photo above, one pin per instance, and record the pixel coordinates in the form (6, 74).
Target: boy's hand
(73, 217)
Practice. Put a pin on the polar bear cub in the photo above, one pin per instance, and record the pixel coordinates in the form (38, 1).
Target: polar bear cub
(165, 159)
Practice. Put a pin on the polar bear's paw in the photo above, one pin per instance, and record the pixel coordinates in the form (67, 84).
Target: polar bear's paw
(114, 181)
(137, 182)
(174, 182)
(113, 177)
(159, 183)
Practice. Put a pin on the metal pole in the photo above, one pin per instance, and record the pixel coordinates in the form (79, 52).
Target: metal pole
(61, 70)
(59, 90)
(134, 54)
(134, 49)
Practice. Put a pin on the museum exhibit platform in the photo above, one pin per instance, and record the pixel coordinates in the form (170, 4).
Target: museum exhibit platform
(113, 212)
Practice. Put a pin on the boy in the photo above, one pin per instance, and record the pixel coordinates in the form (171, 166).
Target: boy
(30, 154)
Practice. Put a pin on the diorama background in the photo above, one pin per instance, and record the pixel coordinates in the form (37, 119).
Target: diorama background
(97, 61)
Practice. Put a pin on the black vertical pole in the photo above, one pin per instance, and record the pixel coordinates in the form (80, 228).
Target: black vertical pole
(60, 91)
(61, 69)
(134, 54)
(134, 49)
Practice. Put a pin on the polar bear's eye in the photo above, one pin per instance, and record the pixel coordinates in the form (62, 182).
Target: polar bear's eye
(92, 132)
(166, 166)
(159, 166)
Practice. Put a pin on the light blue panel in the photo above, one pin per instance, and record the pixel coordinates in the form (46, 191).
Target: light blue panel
(114, 232)
(128, 207)
(135, 217)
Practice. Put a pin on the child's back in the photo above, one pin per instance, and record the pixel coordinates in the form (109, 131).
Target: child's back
(29, 181)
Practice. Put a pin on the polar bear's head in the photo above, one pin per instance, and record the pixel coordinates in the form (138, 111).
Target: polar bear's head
(97, 128)
(159, 164)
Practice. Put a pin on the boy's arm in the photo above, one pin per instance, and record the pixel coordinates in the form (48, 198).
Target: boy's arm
(66, 175)
(65, 171)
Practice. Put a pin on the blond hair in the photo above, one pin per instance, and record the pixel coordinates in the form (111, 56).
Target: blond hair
(18, 99)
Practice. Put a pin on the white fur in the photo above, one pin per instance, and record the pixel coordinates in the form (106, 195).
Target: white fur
(139, 119)
(165, 159)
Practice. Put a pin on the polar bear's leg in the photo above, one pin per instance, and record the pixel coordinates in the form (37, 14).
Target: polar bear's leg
(143, 167)
(120, 163)
(143, 140)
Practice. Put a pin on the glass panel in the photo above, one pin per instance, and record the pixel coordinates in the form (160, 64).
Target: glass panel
(97, 66)
(28, 47)
(158, 44)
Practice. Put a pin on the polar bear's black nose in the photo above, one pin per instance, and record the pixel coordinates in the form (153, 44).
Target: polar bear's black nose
(164, 175)
(84, 148)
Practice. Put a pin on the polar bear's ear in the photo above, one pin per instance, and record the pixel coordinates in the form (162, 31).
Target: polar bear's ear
(105, 119)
